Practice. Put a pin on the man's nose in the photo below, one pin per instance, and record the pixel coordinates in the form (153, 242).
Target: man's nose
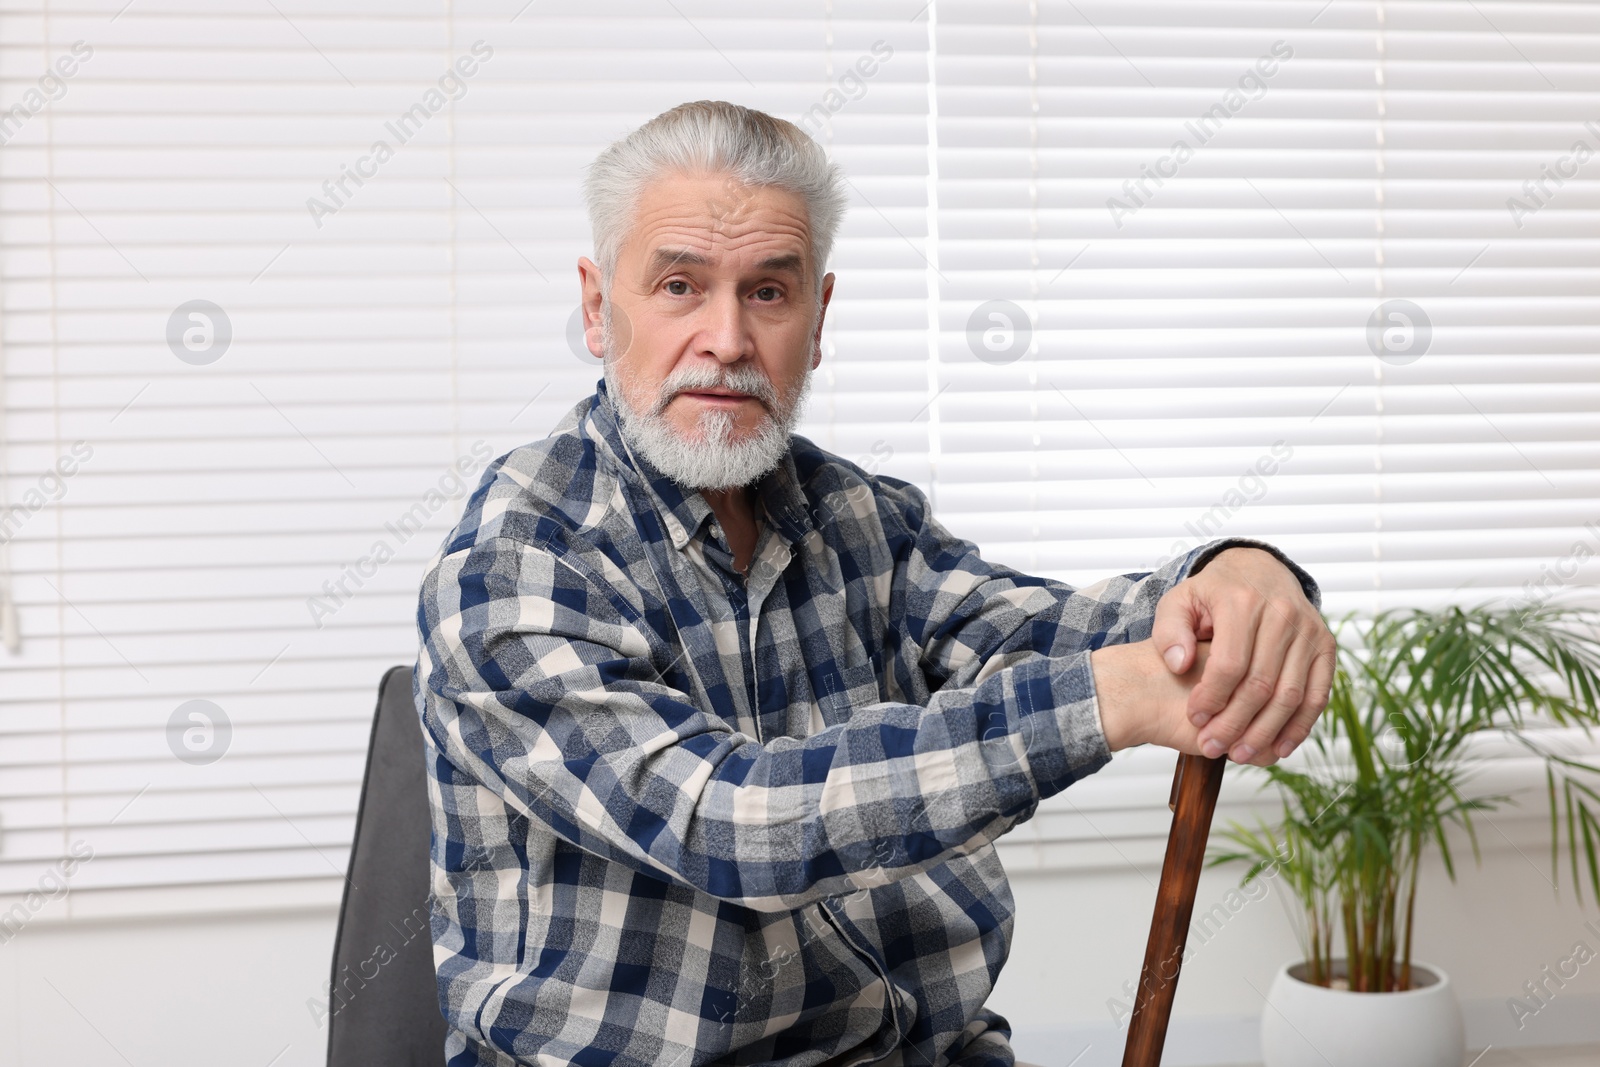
(723, 332)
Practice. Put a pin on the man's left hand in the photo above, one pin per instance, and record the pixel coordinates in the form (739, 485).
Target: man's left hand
(1272, 658)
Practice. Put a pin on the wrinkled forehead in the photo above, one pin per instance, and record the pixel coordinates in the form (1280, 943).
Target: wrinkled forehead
(710, 221)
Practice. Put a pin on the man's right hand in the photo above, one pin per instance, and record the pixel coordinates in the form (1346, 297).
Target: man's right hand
(1141, 701)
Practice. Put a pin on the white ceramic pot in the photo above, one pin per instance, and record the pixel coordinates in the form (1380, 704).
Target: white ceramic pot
(1305, 1025)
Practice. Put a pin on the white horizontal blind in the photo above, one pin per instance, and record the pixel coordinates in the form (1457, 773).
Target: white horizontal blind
(1198, 207)
(383, 329)
(237, 531)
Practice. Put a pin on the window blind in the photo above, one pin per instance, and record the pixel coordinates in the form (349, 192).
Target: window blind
(1217, 220)
(251, 358)
(291, 276)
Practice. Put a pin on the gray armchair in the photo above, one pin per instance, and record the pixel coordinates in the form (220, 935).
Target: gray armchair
(383, 1008)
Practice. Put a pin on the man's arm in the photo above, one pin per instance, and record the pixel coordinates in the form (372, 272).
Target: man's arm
(978, 616)
(542, 684)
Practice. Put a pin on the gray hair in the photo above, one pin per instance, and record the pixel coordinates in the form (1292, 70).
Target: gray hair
(713, 137)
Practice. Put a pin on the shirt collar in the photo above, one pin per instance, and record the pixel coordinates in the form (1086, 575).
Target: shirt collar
(779, 496)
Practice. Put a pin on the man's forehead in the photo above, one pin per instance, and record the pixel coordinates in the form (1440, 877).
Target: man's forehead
(699, 220)
(670, 256)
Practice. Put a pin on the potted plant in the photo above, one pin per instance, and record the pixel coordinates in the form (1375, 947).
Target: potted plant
(1387, 772)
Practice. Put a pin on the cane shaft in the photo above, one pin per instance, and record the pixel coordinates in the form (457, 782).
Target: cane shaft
(1195, 784)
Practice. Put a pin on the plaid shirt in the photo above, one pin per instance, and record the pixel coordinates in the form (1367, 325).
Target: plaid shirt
(685, 817)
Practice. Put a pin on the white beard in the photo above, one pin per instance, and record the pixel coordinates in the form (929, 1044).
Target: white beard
(713, 461)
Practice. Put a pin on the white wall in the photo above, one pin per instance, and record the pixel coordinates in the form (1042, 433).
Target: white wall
(197, 991)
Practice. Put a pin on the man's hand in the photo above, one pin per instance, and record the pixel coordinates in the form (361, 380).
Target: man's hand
(1270, 669)
(1141, 701)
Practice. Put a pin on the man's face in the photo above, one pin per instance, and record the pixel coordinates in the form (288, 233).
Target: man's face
(715, 325)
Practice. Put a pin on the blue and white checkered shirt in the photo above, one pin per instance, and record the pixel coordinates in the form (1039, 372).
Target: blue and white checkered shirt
(685, 817)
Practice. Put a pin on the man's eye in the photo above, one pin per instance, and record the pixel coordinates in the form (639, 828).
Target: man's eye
(678, 292)
(768, 289)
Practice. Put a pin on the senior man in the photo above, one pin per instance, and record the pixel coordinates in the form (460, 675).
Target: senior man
(721, 728)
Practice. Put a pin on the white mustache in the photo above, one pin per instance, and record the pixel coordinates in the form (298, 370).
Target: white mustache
(748, 382)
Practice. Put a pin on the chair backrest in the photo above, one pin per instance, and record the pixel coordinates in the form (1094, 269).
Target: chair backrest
(383, 1009)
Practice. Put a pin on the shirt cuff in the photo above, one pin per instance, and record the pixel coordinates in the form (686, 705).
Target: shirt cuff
(1063, 735)
(1210, 551)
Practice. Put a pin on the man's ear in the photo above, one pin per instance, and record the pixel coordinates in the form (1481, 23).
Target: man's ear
(591, 289)
(822, 316)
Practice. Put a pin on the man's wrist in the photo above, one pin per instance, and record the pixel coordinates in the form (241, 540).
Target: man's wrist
(1115, 683)
(1308, 584)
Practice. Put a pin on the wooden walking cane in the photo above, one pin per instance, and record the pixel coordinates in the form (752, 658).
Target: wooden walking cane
(1195, 784)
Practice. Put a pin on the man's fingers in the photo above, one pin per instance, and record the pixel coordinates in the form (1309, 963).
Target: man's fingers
(1270, 642)
(1296, 730)
(1232, 649)
(1174, 631)
(1319, 685)
(1255, 745)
